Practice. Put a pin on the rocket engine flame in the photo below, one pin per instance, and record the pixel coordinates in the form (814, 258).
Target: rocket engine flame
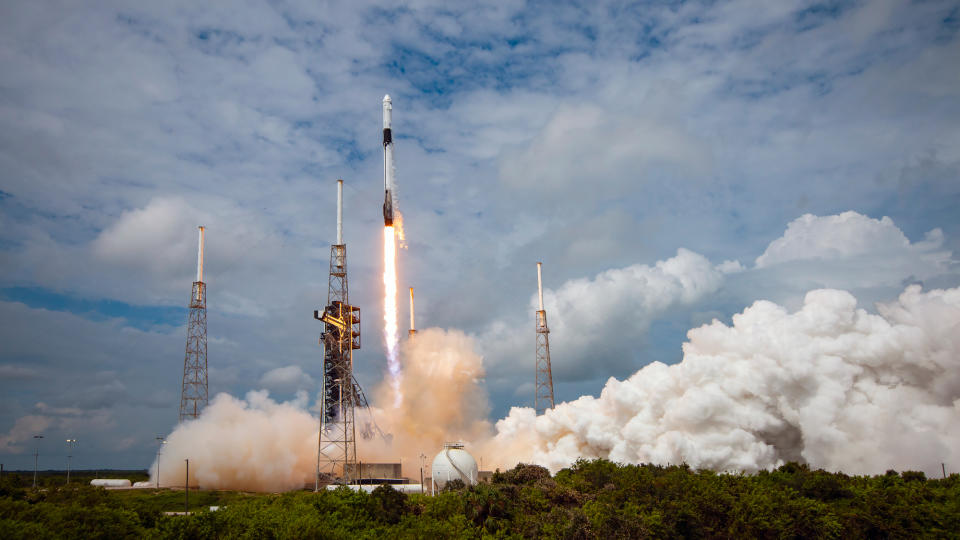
(398, 226)
(390, 310)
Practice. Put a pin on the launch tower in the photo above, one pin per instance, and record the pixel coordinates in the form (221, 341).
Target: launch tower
(193, 396)
(544, 392)
(337, 444)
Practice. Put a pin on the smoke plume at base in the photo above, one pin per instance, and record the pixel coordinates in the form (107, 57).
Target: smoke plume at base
(830, 384)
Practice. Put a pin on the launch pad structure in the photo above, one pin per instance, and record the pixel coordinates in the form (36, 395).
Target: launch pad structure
(194, 392)
(337, 440)
(543, 398)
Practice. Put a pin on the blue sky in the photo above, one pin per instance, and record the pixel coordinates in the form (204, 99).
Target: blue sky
(599, 138)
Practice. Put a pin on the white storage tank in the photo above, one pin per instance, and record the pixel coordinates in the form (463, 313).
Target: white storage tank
(453, 463)
(110, 482)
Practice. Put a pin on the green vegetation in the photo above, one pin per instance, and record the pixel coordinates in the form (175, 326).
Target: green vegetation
(592, 499)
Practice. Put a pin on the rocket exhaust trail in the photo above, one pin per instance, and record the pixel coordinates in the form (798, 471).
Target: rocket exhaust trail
(390, 257)
(390, 310)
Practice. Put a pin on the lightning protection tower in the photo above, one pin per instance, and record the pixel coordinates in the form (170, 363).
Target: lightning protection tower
(194, 393)
(413, 327)
(337, 444)
(543, 399)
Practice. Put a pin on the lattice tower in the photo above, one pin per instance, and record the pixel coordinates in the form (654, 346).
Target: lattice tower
(194, 393)
(337, 441)
(543, 399)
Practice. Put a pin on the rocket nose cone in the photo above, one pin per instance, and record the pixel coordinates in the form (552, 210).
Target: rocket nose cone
(386, 98)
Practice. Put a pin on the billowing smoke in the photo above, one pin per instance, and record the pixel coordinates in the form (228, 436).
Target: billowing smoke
(253, 444)
(259, 444)
(444, 398)
(830, 384)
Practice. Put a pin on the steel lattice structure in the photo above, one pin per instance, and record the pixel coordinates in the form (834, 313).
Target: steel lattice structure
(337, 444)
(337, 440)
(194, 393)
(543, 399)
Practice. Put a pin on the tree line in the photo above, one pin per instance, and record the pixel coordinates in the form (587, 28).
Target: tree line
(591, 499)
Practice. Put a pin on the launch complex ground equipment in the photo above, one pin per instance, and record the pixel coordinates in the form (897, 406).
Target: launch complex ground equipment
(543, 399)
(193, 396)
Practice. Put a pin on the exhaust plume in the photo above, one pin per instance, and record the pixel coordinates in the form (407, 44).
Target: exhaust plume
(390, 311)
(260, 445)
(830, 385)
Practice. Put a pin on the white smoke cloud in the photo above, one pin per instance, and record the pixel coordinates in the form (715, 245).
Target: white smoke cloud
(252, 444)
(259, 444)
(830, 384)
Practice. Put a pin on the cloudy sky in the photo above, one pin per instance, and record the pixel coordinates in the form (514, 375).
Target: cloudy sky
(669, 162)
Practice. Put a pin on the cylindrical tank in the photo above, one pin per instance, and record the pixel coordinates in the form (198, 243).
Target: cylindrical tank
(110, 482)
(453, 463)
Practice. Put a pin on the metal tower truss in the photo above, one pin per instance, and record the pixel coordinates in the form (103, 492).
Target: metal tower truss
(543, 399)
(193, 394)
(337, 444)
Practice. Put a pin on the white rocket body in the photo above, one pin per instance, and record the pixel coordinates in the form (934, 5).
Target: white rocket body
(387, 161)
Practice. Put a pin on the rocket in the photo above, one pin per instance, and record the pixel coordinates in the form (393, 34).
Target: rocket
(387, 162)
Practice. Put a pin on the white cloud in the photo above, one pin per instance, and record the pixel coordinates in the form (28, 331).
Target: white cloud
(851, 250)
(23, 431)
(849, 235)
(287, 378)
(596, 323)
(595, 152)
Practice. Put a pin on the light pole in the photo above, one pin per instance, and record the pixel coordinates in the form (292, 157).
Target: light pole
(422, 458)
(186, 491)
(36, 457)
(70, 443)
(159, 448)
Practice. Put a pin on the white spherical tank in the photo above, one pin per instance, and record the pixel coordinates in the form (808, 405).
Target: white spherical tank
(454, 463)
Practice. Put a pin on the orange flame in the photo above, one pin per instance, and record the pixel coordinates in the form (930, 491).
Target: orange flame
(398, 224)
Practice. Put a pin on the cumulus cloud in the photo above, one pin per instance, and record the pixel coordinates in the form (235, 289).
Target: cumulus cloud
(151, 238)
(22, 432)
(287, 378)
(849, 251)
(584, 143)
(853, 235)
(589, 317)
(829, 384)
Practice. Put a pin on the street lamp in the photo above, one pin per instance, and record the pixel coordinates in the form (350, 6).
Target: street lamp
(70, 443)
(36, 456)
(160, 447)
(423, 458)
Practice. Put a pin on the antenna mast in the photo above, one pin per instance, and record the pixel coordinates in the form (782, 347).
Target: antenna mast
(193, 395)
(543, 399)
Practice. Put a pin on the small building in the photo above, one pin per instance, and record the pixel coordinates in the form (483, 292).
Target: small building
(383, 471)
